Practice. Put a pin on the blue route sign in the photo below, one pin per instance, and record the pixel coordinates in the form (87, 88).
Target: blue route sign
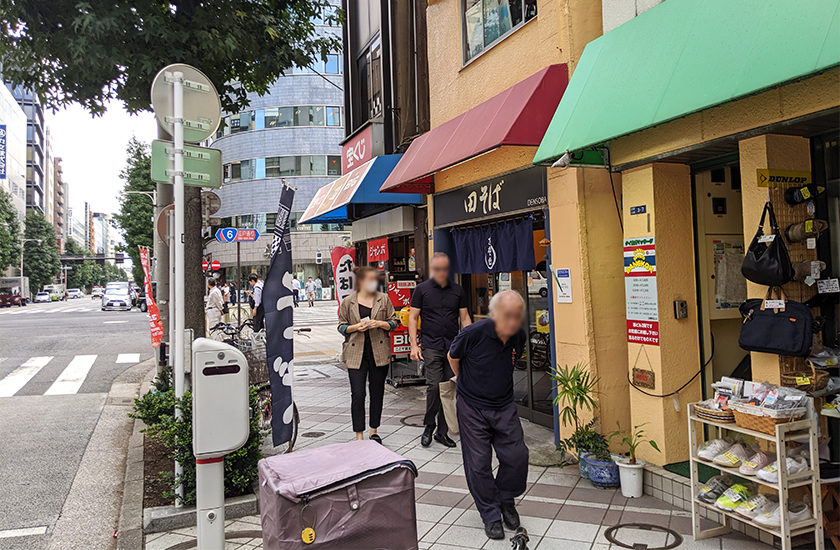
(233, 235)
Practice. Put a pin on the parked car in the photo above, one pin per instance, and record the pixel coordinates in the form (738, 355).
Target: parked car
(117, 298)
(74, 293)
(141, 301)
(42, 297)
(96, 292)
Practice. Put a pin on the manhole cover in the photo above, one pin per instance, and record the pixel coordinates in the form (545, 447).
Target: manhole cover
(643, 536)
(415, 420)
(312, 435)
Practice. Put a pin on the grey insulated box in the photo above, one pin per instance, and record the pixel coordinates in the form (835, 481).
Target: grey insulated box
(349, 496)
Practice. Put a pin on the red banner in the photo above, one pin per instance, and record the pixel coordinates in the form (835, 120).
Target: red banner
(400, 293)
(378, 251)
(343, 261)
(155, 326)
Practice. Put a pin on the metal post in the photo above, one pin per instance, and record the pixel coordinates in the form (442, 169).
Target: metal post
(180, 284)
(238, 285)
(210, 503)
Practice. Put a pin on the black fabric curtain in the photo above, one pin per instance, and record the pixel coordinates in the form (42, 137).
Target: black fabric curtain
(495, 248)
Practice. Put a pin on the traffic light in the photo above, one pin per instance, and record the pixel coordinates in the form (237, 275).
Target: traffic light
(319, 258)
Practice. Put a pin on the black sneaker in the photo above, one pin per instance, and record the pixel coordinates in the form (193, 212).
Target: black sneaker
(426, 440)
(494, 530)
(510, 516)
(798, 195)
(444, 440)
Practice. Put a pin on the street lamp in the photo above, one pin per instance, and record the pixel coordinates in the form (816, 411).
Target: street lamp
(22, 246)
(151, 194)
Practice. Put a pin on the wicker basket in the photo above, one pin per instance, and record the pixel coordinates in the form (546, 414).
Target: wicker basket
(815, 380)
(763, 420)
(724, 417)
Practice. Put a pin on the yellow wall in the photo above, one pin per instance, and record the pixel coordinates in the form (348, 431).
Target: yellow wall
(666, 191)
(807, 96)
(545, 40)
(498, 161)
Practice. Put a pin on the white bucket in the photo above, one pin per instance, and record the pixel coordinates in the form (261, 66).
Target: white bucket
(632, 478)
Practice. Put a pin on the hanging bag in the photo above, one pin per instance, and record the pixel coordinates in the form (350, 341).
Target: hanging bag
(767, 261)
(787, 330)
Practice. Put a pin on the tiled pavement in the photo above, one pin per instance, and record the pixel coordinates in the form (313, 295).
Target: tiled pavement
(559, 510)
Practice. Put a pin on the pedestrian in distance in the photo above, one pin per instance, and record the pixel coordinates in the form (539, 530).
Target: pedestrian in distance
(364, 319)
(226, 297)
(215, 304)
(257, 308)
(310, 289)
(296, 289)
(233, 292)
(483, 357)
(443, 306)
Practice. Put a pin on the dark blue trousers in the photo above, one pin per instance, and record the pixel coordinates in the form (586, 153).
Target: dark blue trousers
(483, 431)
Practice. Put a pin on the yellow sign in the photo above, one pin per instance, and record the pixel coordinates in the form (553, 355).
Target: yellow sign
(782, 178)
(543, 324)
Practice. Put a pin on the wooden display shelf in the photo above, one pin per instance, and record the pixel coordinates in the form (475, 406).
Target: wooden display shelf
(796, 529)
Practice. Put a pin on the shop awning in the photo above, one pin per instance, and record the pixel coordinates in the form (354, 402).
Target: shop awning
(684, 56)
(517, 116)
(356, 191)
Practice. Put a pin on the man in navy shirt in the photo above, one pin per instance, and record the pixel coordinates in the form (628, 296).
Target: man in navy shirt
(483, 357)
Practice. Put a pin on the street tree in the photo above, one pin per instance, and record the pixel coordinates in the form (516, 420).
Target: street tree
(92, 51)
(72, 248)
(9, 232)
(135, 216)
(41, 261)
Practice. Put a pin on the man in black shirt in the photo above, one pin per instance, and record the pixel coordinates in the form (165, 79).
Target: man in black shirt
(441, 304)
(483, 357)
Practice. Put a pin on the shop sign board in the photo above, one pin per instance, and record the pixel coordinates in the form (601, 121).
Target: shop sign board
(400, 293)
(2, 151)
(564, 286)
(644, 378)
(782, 178)
(400, 342)
(378, 250)
(358, 150)
(343, 261)
(520, 191)
(641, 299)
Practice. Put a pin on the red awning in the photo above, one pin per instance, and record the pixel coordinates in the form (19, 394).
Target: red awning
(518, 116)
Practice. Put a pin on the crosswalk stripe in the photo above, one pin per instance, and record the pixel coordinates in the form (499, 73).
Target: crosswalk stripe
(18, 378)
(128, 358)
(73, 376)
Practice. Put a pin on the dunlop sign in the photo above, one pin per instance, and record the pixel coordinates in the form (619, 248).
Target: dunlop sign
(782, 178)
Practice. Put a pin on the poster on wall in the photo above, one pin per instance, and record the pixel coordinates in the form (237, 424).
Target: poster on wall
(642, 303)
(378, 251)
(343, 261)
(564, 286)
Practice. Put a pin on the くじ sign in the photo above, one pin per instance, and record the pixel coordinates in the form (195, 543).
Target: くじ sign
(357, 151)
(344, 261)
(641, 299)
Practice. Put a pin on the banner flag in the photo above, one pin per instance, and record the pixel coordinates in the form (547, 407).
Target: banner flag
(343, 261)
(278, 301)
(155, 325)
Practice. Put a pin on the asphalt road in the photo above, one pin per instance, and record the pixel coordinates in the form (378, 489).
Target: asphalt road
(57, 364)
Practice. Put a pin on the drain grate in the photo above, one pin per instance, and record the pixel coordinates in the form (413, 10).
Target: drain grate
(643, 536)
(312, 435)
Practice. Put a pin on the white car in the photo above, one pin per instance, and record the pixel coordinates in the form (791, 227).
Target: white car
(42, 297)
(74, 293)
(116, 299)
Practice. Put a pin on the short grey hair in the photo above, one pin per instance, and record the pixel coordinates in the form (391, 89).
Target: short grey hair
(503, 295)
(440, 255)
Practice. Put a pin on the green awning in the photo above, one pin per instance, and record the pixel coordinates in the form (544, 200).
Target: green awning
(684, 56)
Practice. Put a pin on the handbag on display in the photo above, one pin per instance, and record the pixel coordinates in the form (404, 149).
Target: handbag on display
(787, 329)
(767, 261)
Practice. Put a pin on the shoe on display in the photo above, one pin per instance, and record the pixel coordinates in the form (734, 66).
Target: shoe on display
(833, 408)
(756, 462)
(757, 505)
(797, 512)
(713, 488)
(770, 473)
(732, 498)
(733, 457)
(798, 195)
(713, 448)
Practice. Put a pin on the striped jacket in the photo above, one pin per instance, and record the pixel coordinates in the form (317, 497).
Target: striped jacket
(354, 342)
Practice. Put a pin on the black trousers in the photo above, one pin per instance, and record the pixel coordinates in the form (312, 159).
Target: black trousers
(259, 318)
(437, 370)
(376, 376)
(483, 431)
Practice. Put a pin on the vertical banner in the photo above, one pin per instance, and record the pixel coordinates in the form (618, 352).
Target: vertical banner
(2, 151)
(278, 301)
(155, 325)
(642, 301)
(343, 261)
(378, 251)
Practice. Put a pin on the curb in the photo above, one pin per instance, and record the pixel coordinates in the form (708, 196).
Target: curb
(169, 518)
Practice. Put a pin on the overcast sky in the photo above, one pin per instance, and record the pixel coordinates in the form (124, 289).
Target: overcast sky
(93, 151)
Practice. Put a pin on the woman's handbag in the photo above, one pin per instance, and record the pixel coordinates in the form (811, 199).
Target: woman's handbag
(787, 330)
(767, 261)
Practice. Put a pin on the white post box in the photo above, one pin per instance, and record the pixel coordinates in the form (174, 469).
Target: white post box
(220, 425)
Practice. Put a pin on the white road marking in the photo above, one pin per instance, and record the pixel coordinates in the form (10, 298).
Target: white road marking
(18, 378)
(113, 322)
(23, 532)
(73, 376)
(128, 358)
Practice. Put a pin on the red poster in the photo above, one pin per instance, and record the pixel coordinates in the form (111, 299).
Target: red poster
(400, 343)
(378, 250)
(343, 261)
(155, 326)
(400, 293)
(643, 332)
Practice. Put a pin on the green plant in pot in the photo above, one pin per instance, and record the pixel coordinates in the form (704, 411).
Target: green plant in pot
(631, 470)
(576, 390)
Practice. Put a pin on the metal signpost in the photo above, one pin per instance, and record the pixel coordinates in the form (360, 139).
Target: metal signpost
(234, 235)
(192, 121)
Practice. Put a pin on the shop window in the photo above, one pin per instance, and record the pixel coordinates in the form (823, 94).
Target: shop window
(370, 75)
(309, 116)
(488, 21)
(333, 116)
(333, 165)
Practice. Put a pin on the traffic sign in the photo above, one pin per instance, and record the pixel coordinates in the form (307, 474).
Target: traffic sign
(202, 107)
(162, 222)
(216, 265)
(204, 265)
(233, 235)
(202, 165)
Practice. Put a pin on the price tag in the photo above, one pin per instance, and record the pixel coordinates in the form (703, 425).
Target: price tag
(805, 193)
(733, 495)
(803, 380)
(767, 238)
(774, 304)
(816, 269)
(828, 286)
(809, 281)
(705, 489)
(826, 406)
(830, 362)
(771, 469)
(731, 457)
(811, 243)
(748, 505)
(809, 226)
(750, 464)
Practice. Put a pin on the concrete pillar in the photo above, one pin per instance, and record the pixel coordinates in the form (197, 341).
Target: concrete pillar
(665, 191)
(776, 152)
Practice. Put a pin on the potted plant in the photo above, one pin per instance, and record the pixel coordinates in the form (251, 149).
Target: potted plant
(603, 471)
(575, 394)
(630, 469)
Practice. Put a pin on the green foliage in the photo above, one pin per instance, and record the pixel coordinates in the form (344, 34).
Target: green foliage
(9, 232)
(135, 216)
(575, 392)
(633, 439)
(584, 438)
(72, 248)
(156, 410)
(91, 51)
(40, 260)
(89, 274)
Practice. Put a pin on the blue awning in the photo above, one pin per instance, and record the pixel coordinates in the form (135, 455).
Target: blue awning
(356, 193)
